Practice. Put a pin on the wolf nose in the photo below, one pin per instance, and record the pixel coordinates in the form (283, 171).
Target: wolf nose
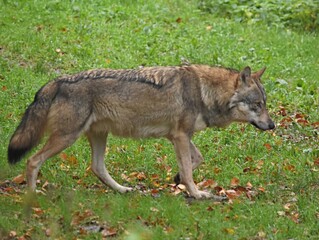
(271, 125)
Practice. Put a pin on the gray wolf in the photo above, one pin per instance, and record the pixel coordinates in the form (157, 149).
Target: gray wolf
(171, 102)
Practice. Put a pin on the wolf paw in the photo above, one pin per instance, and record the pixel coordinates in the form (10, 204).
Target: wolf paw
(201, 195)
(125, 189)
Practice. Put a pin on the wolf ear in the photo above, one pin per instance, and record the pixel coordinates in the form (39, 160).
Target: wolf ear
(245, 74)
(259, 73)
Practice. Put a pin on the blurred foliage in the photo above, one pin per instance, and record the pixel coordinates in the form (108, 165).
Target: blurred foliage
(295, 14)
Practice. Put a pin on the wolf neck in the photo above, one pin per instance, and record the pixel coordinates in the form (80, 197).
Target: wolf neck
(217, 87)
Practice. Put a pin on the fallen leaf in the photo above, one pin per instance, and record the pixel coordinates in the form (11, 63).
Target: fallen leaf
(13, 234)
(48, 232)
(155, 193)
(287, 206)
(220, 190)
(64, 29)
(38, 211)
(20, 179)
(229, 231)
(281, 213)
(268, 146)
(295, 218)
(234, 182)
(153, 209)
(59, 51)
(261, 235)
(290, 167)
(109, 232)
(249, 185)
(154, 177)
(303, 122)
(282, 111)
(217, 170)
(39, 28)
(179, 20)
(78, 217)
(315, 124)
(262, 189)
(231, 194)
(209, 183)
(209, 27)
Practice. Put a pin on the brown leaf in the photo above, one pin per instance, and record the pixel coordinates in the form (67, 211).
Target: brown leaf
(231, 194)
(179, 20)
(19, 179)
(295, 218)
(4, 88)
(13, 234)
(69, 159)
(249, 185)
(109, 232)
(39, 28)
(154, 176)
(303, 122)
(290, 167)
(282, 111)
(48, 232)
(300, 116)
(38, 211)
(261, 189)
(64, 29)
(78, 217)
(209, 183)
(234, 182)
(217, 170)
(268, 146)
(315, 124)
(155, 192)
(220, 190)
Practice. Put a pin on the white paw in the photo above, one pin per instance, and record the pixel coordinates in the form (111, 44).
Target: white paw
(125, 189)
(207, 195)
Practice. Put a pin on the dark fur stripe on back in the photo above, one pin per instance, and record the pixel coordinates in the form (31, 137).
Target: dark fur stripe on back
(154, 76)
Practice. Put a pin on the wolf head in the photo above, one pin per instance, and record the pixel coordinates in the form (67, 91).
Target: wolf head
(248, 104)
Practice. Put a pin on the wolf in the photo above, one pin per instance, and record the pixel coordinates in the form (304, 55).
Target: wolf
(149, 102)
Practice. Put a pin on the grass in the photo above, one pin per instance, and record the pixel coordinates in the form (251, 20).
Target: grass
(42, 40)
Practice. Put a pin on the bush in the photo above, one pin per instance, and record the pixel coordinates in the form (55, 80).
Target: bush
(295, 14)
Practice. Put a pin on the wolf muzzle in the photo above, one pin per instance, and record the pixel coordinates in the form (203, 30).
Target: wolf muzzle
(269, 125)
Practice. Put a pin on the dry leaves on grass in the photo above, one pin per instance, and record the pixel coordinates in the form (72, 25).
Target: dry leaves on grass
(86, 222)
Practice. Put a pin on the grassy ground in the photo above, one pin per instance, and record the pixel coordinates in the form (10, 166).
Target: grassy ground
(272, 177)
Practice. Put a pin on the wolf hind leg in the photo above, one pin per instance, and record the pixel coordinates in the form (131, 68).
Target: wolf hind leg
(55, 144)
(197, 159)
(98, 145)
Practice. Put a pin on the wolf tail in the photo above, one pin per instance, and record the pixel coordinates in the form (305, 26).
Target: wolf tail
(32, 126)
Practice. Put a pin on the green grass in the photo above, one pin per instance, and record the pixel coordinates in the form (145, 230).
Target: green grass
(44, 39)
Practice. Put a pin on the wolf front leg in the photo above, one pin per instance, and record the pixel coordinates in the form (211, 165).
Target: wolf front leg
(184, 149)
(197, 159)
